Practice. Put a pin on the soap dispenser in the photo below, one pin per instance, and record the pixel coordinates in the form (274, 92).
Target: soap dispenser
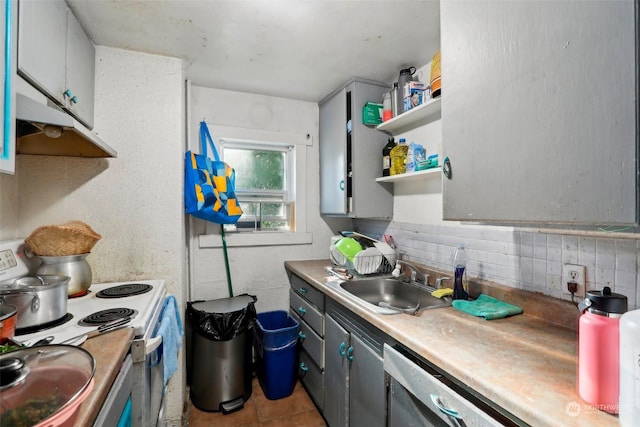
(460, 274)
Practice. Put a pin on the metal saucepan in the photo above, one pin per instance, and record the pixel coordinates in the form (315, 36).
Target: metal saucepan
(74, 266)
(39, 299)
(8, 317)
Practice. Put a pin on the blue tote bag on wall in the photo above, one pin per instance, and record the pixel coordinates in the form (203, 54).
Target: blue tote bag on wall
(209, 185)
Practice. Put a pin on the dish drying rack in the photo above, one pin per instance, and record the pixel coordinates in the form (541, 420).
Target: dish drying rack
(366, 266)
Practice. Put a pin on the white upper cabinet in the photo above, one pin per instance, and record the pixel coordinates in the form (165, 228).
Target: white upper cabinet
(539, 111)
(57, 57)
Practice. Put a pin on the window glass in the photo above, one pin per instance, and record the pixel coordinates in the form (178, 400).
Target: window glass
(263, 185)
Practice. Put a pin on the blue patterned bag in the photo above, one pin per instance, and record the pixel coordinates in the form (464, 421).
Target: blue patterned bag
(209, 185)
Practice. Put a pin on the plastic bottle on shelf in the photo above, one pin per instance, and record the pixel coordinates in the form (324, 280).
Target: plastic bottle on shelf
(629, 407)
(399, 157)
(386, 157)
(460, 273)
(387, 113)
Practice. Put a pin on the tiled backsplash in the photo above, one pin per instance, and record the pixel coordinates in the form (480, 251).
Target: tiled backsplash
(529, 260)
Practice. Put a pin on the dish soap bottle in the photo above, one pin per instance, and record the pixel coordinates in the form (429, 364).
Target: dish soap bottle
(386, 157)
(399, 157)
(460, 273)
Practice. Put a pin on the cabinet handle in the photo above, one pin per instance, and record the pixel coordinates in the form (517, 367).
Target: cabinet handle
(303, 367)
(74, 100)
(67, 93)
(446, 168)
(341, 351)
(350, 354)
(342, 185)
(303, 290)
(447, 411)
(302, 311)
(302, 336)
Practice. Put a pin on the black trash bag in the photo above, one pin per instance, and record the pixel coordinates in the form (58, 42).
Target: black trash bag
(222, 326)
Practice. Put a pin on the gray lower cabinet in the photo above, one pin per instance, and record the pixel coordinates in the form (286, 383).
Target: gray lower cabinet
(306, 305)
(354, 373)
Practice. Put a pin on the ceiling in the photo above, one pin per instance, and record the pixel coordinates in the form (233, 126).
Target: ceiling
(298, 49)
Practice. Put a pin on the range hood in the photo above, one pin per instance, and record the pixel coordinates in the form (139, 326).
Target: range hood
(45, 130)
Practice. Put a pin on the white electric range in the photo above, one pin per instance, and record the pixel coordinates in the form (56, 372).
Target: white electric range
(86, 313)
(137, 393)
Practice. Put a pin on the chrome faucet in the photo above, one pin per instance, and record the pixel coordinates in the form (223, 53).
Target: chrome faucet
(416, 274)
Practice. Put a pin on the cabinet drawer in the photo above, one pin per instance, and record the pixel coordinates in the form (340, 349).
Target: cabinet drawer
(312, 377)
(307, 312)
(310, 341)
(307, 291)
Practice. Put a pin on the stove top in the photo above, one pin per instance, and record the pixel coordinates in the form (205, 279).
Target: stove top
(141, 307)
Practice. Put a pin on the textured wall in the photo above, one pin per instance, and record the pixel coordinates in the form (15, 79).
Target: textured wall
(134, 200)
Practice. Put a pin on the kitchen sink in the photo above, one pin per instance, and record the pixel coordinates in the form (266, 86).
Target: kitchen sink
(388, 295)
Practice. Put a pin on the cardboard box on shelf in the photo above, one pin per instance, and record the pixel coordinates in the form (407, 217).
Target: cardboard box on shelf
(414, 94)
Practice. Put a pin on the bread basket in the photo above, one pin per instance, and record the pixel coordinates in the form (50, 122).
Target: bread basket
(72, 238)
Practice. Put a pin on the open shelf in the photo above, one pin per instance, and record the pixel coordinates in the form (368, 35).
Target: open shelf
(411, 176)
(422, 114)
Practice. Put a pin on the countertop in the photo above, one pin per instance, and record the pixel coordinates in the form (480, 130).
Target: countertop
(522, 363)
(109, 350)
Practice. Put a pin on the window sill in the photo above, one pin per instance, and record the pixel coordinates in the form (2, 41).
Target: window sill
(238, 240)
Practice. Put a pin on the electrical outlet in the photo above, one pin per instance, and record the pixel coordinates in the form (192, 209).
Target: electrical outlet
(574, 273)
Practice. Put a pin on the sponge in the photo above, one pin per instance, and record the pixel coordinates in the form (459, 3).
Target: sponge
(444, 292)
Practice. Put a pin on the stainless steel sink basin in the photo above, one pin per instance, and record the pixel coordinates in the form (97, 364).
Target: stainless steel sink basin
(389, 295)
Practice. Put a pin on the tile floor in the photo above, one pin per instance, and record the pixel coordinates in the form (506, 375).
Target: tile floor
(292, 411)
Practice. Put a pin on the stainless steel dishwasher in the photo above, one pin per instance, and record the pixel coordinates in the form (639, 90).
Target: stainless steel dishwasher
(418, 397)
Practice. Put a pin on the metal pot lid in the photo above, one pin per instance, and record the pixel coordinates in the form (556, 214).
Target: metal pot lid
(47, 378)
(28, 283)
(607, 302)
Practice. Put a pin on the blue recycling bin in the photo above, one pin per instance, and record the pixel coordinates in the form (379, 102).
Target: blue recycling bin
(276, 339)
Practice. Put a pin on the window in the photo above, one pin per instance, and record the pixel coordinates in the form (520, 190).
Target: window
(270, 186)
(264, 184)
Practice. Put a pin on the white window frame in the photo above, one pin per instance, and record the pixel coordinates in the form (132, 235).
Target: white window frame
(289, 167)
(299, 144)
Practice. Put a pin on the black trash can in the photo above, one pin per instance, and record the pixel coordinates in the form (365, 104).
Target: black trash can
(276, 339)
(219, 352)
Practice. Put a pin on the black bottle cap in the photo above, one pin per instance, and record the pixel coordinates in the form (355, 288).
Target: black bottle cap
(607, 301)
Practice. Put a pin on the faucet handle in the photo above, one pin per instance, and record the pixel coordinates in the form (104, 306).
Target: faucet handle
(439, 281)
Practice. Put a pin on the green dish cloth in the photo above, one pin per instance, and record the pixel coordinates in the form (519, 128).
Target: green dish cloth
(487, 307)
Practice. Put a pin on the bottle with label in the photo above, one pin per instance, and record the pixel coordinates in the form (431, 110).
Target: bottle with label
(386, 157)
(399, 157)
(460, 273)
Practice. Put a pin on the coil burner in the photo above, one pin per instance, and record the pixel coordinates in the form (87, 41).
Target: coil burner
(122, 291)
(105, 316)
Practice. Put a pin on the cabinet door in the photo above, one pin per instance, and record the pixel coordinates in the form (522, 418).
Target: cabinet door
(539, 111)
(367, 390)
(336, 369)
(333, 155)
(42, 45)
(80, 72)
(8, 13)
(351, 155)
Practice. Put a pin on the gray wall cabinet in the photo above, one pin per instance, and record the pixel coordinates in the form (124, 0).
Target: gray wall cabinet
(57, 57)
(350, 154)
(539, 111)
(8, 14)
